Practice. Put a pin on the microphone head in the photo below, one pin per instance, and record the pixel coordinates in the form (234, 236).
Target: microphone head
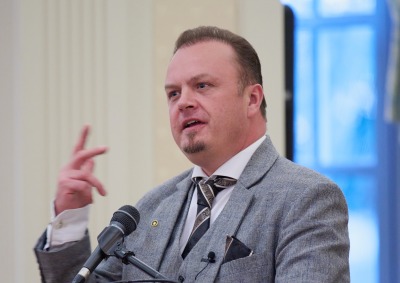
(128, 217)
(211, 257)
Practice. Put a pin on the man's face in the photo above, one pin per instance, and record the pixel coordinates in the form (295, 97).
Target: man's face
(207, 113)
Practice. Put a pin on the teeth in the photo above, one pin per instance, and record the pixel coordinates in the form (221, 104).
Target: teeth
(191, 123)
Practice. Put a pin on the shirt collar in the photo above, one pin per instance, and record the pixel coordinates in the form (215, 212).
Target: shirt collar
(233, 167)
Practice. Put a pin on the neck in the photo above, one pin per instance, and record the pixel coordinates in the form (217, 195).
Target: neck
(211, 167)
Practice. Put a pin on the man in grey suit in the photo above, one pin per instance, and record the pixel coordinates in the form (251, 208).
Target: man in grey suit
(276, 222)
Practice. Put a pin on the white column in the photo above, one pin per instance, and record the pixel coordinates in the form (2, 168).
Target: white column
(67, 63)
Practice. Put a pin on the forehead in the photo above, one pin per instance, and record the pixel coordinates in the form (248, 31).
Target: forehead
(209, 57)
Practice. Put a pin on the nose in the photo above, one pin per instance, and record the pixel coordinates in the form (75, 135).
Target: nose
(187, 99)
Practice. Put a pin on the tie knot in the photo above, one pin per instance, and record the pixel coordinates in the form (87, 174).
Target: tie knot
(208, 189)
(222, 182)
(216, 181)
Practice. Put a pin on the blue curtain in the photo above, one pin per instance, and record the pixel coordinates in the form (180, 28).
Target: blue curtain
(393, 79)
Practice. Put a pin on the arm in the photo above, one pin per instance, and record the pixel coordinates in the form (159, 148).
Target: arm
(59, 259)
(61, 263)
(313, 243)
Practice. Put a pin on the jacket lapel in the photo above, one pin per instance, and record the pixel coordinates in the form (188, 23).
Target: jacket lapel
(166, 221)
(259, 164)
(242, 196)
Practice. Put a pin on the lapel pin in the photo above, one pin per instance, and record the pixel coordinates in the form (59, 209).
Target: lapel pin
(154, 223)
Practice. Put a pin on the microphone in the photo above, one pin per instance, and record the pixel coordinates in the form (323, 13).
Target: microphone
(123, 222)
(210, 258)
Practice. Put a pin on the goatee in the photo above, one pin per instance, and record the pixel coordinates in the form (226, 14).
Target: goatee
(193, 146)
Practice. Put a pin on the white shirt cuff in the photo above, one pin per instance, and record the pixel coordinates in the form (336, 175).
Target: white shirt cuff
(69, 226)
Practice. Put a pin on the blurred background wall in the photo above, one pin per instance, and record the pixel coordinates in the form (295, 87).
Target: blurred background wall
(65, 63)
(346, 119)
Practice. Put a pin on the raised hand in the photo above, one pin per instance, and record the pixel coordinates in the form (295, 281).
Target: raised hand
(76, 179)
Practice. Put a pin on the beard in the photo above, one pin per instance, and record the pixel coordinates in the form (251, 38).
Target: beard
(193, 146)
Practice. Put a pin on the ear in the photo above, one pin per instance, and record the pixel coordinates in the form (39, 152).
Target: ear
(256, 95)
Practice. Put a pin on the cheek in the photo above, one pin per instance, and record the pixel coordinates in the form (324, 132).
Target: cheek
(175, 133)
(233, 119)
(174, 127)
(173, 121)
(172, 114)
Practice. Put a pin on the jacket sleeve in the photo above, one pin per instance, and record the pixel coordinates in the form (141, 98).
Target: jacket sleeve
(61, 263)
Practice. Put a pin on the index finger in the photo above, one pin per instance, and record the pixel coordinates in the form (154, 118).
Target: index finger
(82, 139)
(84, 155)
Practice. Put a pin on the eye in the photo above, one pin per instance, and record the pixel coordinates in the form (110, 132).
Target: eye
(202, 85)
(172, 94)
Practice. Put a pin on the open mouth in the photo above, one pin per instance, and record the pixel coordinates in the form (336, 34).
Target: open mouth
(192, 124)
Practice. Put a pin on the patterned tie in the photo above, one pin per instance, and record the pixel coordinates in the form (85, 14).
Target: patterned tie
(206, 192)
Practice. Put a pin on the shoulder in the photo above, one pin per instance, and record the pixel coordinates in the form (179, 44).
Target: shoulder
(271, 175)
(288, 182)
(297, 185)
(286, 171)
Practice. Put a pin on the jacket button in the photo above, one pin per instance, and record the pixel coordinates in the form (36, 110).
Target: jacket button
(181, 278)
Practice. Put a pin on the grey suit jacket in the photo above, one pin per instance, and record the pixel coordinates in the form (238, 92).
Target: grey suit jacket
(294, 220)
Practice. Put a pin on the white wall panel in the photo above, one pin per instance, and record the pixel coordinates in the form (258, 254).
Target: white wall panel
(261, 23)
